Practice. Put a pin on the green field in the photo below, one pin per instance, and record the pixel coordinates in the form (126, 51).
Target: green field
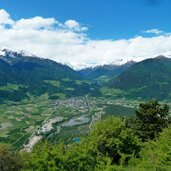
(19, 120)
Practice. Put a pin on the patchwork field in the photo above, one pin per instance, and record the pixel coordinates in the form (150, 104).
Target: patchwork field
(57, 120)
(20, 120)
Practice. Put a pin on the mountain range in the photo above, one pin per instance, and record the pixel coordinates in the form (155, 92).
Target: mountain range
(23, 75)
(105, 71)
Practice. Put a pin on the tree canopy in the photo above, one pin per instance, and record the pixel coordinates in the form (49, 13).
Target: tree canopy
(9, 159)
(114, 144)
(150, 119)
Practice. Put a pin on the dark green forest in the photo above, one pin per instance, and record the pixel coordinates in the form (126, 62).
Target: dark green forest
(137, 143)
(149, 78)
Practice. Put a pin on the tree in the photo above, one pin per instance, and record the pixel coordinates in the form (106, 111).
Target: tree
(9, 159)
(155, 155)
(109, 142)
(44, 157)
(150, 119)
(113, 139)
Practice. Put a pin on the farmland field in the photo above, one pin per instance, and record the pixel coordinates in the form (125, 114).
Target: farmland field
(20, 119)
(66, 119)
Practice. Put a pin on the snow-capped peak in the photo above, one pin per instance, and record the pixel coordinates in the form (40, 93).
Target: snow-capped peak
(11, 53)
(25, 53)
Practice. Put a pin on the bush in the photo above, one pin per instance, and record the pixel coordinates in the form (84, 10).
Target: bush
(9, 160)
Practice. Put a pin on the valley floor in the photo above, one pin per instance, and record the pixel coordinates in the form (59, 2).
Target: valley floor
(27, 122)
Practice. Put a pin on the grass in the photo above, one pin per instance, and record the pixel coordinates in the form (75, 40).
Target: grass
(111, 92)
(66, 79)
(53, 82)
(17, 118)
(119, 110)
(10, 87)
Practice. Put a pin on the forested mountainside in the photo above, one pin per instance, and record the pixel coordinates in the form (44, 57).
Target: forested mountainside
(22, 75)
(150, 78)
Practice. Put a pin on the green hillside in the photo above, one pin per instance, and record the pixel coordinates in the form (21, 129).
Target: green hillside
(22, 76)
(150, 78)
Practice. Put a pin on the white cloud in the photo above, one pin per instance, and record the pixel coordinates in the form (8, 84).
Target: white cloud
(154, 31)
(68, 42)
(35, 23)
(74, 25)
(5, 17)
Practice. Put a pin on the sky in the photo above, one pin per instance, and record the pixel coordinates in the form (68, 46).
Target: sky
(84, 33)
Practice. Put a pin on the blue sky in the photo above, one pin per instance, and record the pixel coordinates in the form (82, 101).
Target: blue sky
(87, 32)
(107, 19)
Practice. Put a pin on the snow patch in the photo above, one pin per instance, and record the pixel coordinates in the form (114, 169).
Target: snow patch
(2, 53)
(14, 54)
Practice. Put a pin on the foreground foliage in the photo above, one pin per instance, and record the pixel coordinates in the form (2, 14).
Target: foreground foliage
(111, 145)
(9, 159)
(150, 119)
(108, 142)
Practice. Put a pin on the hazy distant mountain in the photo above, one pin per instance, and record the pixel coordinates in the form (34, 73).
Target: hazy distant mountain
(22, 74)
(110, 70)
(150, 78)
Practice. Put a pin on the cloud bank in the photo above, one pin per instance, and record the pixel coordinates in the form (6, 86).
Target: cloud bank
(69, 43)
(154, 31)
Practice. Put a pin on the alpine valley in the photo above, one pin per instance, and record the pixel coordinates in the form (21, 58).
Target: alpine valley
(43, 99)
(85, 85)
